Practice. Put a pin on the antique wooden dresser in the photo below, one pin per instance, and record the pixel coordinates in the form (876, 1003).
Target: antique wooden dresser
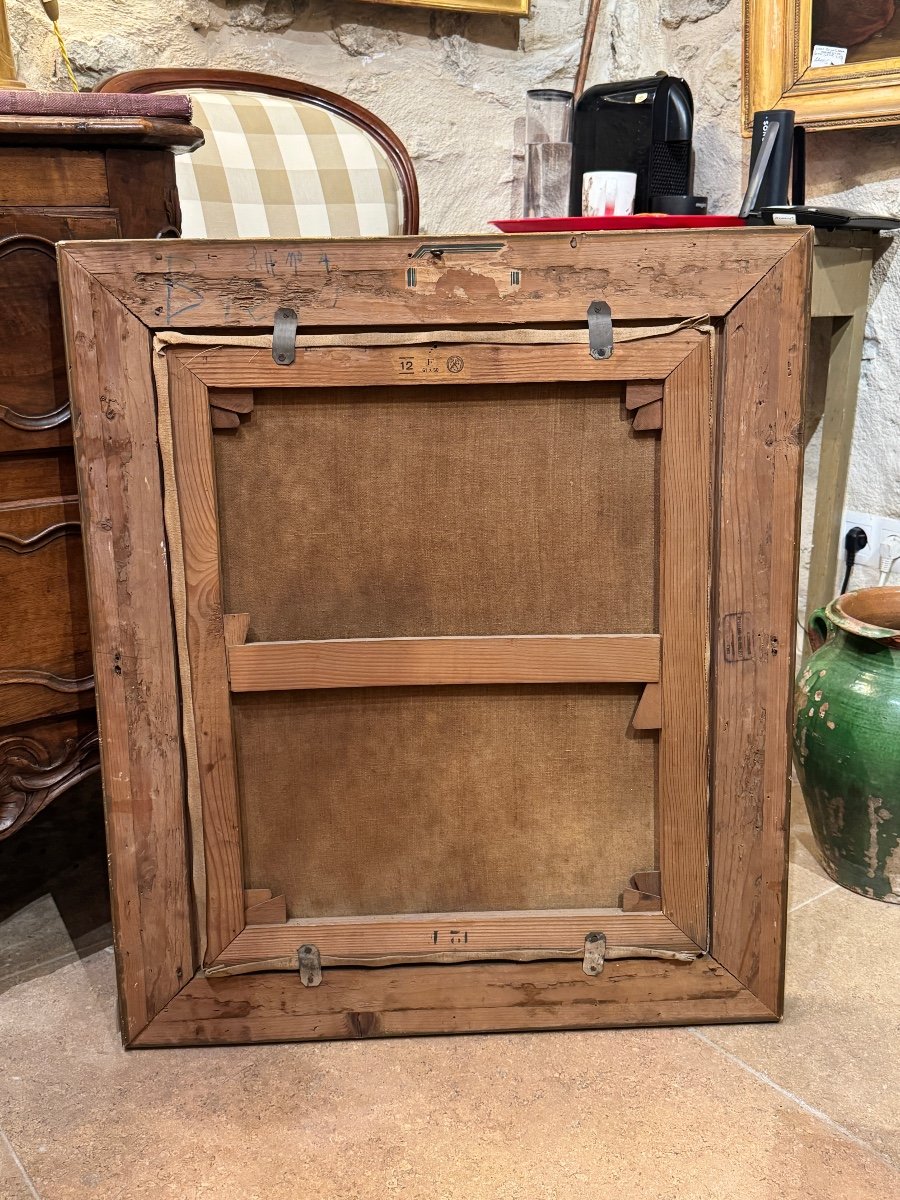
(60, 178)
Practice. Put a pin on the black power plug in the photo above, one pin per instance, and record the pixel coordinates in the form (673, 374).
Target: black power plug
(855, 540)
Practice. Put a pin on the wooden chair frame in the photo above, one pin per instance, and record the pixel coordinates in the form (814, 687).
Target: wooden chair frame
(157, 79)
(727, 401)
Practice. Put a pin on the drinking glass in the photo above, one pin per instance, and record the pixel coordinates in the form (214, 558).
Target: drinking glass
(548, 152)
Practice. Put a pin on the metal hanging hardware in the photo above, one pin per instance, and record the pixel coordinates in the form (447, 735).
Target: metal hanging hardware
(308, 960)
(284, 336)
(600, 329)
(309, 964)
(439, 249)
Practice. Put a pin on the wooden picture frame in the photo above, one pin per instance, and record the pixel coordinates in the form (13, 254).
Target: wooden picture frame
(168, 352)
(778, 72)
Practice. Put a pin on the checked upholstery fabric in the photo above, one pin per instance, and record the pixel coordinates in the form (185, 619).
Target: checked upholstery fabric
(276, 167)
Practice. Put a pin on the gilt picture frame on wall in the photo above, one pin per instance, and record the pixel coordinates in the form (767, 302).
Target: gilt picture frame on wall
(836, 63)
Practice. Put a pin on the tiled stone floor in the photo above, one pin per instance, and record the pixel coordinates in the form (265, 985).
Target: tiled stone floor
(805, 1110)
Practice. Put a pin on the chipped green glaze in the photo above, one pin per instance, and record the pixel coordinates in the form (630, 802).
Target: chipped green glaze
(847, 740)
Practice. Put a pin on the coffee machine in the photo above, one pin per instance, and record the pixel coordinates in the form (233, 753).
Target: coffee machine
(641, 125)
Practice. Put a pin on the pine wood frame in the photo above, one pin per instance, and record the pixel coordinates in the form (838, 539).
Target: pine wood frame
(777, 74)
(728, 405)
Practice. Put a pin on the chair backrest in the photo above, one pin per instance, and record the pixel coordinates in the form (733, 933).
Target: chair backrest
(283, 159)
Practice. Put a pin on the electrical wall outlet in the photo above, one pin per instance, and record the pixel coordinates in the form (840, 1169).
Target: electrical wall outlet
(890, 530)
(873, 526)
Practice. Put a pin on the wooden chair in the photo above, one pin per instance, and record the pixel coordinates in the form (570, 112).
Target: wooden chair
(283, 159)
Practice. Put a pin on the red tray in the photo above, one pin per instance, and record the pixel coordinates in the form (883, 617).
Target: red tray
(594, 224)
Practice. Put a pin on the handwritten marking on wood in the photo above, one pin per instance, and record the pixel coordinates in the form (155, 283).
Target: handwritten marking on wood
(737, 636)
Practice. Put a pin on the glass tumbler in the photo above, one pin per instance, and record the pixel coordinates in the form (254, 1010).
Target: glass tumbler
(548, 152)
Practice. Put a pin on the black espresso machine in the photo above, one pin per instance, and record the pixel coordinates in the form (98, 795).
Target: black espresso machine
(640, 125)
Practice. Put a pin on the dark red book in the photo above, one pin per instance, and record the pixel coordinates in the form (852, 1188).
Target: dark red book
(92, 104)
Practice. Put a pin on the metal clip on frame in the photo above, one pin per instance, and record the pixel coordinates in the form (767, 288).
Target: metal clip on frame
(600, 329)
(284, 336)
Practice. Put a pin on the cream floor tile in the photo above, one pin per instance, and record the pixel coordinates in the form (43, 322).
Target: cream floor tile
(838, 1048)
(33, 942)
(569, 1116)
(806, 879)
(14, 1183)
(799, 815)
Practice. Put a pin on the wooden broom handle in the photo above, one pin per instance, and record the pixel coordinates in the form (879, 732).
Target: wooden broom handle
(587, 44)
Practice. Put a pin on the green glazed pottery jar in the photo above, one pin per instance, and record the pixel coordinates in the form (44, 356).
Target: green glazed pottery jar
(847, 740)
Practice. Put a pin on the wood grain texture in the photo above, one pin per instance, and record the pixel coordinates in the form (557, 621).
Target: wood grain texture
(151, 208)
(221, 284)
(60, 178)
(685, 537)
(649, 712)
(236, 626)
(101, 132)
(221, 418)
(117, 458)
(45, 618)
(359, 367)
(34, 411)
(354, 1003)
(267, 912)
(757, 474)
(410, 933)
(391, 662)
(192, 447)
(639, 394)
(38, 762)
(650, 417)
(232, 400)
(29, 175)
(59, 225)
(758, 482)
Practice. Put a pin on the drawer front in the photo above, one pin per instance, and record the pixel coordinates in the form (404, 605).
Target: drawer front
(40, 760)
(45, 662)
(46, 476)
(34, 402)
(58, 225)
(53, 177)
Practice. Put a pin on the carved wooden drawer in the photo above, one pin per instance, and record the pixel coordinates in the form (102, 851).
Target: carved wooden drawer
(55, 185)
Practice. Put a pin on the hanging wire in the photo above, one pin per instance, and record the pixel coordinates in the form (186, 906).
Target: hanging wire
(65, 57)
(51, 8)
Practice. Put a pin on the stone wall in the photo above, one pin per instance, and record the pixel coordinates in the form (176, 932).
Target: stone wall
(453, 87)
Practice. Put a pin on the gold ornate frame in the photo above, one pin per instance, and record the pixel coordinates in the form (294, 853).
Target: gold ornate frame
(777, 73)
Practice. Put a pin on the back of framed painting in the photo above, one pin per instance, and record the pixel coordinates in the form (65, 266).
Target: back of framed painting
(405, 646)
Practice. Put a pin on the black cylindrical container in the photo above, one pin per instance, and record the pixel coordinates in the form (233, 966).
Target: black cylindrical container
(774, 186)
